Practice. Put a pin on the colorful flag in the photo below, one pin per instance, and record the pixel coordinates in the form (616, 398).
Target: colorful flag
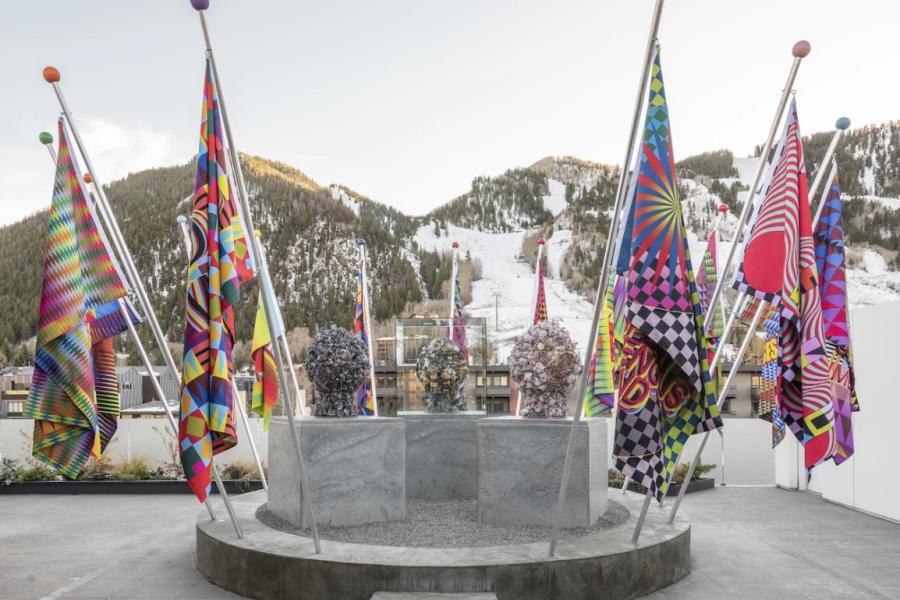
(599, 397)
(540, 297)
(779, 266)
(365, 402)
(265, 381)
(74, 394)
(830, 264)
(665, 391)
(707, 279)
(214, 278)
(769, 381)
(457, 320)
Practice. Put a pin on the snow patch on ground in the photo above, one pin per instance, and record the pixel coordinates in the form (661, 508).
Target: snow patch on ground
(555, 202)
(872, 282)
(344, 198)
(508, 280)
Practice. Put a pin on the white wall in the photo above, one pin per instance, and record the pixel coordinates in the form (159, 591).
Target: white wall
(868, 481)
(749, 458)
(151, 438)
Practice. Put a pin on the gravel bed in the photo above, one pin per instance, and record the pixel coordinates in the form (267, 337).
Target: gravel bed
(444, 524)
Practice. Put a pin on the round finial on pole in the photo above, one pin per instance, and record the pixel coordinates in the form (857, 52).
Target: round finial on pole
(540, 241)
(45, 138)
(257, 233)
(51, 74)
(723, 208)
(200, 4)
(360, 242)
(843, 123)
(801, 49)
(454, 245)
(87, 178)
(181, 219)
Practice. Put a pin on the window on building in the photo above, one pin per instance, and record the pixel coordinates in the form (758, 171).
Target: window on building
(496, 406)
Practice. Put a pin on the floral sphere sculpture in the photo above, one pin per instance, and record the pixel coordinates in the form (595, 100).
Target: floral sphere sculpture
(442, 368)
(544, 364)
(337, 364)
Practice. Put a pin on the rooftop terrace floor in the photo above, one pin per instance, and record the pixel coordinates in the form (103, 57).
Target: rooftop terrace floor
(747, 543)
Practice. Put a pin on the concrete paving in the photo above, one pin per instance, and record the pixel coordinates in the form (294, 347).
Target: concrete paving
(748, 543)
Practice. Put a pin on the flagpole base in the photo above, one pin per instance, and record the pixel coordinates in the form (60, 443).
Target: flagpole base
(275, 564)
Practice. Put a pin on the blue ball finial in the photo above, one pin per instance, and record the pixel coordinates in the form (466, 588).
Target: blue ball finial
(181, 219)
(360, 242)
(843, 123)
(200, 4)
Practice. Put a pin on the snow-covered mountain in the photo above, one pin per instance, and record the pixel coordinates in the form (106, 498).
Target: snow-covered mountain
(310, 232)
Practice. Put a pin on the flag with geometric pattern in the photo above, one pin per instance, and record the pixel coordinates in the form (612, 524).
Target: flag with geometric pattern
(779, 266)
(707, 279)
(830, 264)
(599, 397)
(769, 380)
(74, 393)
(665, 391)
(215, 273)
(265, 374)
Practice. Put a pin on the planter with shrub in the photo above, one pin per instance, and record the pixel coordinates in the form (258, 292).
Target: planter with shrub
(698, 481)
(132, 476)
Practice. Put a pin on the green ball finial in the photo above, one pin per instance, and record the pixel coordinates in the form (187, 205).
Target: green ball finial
(45, 138)
(843, 123)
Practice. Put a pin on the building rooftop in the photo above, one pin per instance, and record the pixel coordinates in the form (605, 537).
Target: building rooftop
(747, 543)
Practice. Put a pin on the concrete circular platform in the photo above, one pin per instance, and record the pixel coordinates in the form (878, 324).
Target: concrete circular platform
(272, 564)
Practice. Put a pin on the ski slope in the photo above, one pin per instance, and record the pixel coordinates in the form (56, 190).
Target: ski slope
(507, 282)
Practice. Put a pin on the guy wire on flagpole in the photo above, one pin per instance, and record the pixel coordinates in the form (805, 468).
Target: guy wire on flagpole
(600, 298)
(186, 236)
(52, 76)
(367, 322)
(534, 301)
(269, 303)
(800, 50)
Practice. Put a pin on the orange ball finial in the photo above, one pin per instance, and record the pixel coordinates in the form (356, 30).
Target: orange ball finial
(51, 74)
(88, 178)
(801, 49)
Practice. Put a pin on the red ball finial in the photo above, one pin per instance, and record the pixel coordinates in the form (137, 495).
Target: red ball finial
(455, 245)
(88, 178)
(801, 49)
(723, 208)
(540, 241)
(51, 74)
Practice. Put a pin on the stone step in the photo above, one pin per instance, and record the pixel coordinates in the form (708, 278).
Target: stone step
(433, 596)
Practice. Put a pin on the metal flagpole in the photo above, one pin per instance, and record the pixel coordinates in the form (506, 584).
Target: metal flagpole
(366, 320)
(454, 273)
(534, 301)
(186, 236)
(840, 126)
(47, 140)
(270, 305)
(800, 50)
(600, 298)
(831, 173)
(731, 375)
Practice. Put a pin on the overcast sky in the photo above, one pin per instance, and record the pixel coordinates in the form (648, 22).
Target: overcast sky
(407, 101)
